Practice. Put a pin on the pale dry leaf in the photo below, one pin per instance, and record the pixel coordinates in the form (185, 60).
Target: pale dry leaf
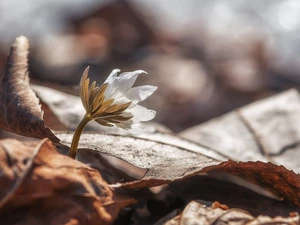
(41, 186)
(267, 130)
(20, 111)
(165, 163)
(68, 108)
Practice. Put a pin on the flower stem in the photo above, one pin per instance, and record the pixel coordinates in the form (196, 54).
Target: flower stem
(76, 137)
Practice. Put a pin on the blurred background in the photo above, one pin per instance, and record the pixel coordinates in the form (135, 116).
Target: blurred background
(206, 57)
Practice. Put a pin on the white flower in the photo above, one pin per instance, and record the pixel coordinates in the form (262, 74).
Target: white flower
(115, 102)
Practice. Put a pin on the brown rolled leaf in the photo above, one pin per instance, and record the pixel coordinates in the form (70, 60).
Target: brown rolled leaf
(20, 111)
(196, 213)
(40, 186)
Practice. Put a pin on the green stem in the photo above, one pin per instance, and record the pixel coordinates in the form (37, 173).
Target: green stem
(76, 137)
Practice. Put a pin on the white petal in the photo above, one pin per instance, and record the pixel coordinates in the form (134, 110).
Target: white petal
(137, 94)
(141, 113)
(126, 125)
(121, 84)
(111, 89)
(136, 129)
(126, 80)
(132, 128)
(121, 100)
(112, 75)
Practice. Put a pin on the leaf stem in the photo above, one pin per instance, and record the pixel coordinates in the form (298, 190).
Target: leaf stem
(76, 137)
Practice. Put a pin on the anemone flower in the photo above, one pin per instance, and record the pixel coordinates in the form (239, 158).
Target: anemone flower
(114, 103)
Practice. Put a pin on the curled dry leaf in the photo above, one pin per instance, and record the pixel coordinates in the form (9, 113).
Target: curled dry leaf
(41, 186)
(196, 213)
(20, 111)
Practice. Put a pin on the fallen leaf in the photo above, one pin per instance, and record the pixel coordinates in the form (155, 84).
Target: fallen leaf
(165, 163)
(267, 130)
(196, 213)
(68, 108)
(41, 186)
(20, 111)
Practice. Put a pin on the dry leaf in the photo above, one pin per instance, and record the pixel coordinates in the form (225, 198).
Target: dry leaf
(68, 108)
(267, 130)
(165, 163)
(196, 213)
(20, 111)
(41, 186)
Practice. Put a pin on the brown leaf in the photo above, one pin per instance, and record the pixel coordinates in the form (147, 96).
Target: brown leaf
(20, 111)
(196, 213)
(165, 163)
(267, 130)
(41, 186)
